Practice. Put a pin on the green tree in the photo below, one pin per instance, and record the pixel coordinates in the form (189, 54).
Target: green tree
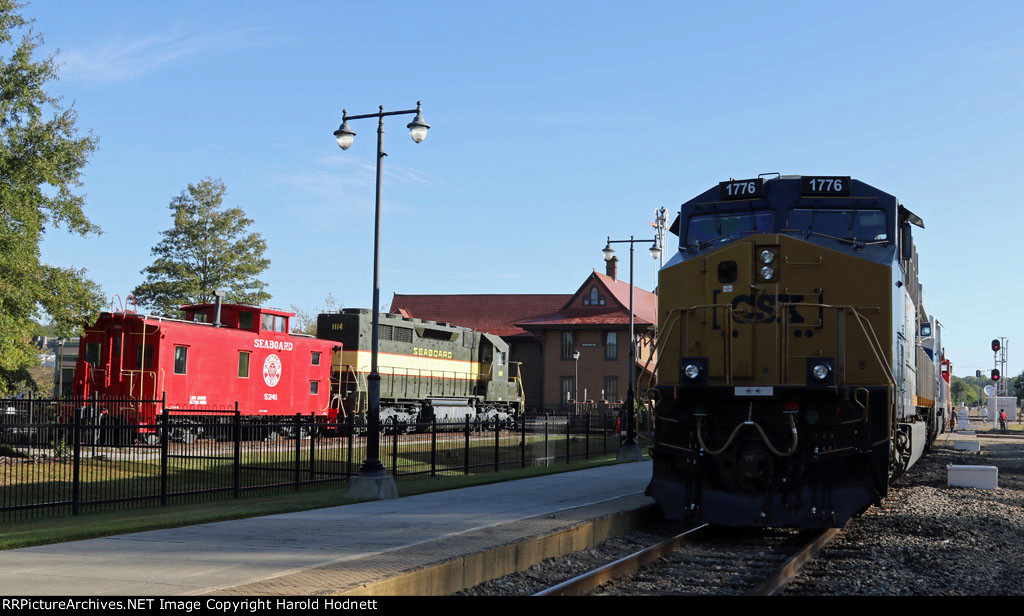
(304, 321)
(208, 249)
(41, 158)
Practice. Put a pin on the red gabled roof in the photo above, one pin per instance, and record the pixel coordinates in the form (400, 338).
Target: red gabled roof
(615, 312)
(494, 314)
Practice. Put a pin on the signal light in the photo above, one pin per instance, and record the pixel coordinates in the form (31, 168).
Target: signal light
(995, 345)
(977, 374)
(995, 374)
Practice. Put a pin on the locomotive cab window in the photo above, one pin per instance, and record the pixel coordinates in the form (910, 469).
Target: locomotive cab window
(704, 229)
(180, 360)
(857, 225)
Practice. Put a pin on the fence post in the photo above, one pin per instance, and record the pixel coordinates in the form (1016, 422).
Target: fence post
(297, 431)
(312, 446)
(497, 428)
(568, 438)
(95, 421)
(466, 456)
(350, 420)
(546, 438)
(236, 471)
(586, 438)
(394, 449)
(522, 440)
(76, 433)
(433, 446)
(165, 435)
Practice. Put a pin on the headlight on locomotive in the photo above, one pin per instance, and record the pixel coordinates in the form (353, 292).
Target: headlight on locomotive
(692, 371)
(767, 256)
(767, 273)
(820, 371)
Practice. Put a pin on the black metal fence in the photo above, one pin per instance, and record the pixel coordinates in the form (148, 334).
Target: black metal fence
(80, 455)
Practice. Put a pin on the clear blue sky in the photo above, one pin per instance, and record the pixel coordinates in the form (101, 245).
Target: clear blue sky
(554, 125)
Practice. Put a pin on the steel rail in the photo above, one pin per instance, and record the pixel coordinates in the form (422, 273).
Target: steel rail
(627, 564)
(785, 574)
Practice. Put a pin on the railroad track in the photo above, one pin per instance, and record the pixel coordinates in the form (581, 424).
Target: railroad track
(705, 560)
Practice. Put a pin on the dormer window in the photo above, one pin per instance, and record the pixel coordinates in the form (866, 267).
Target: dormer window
(594, 298)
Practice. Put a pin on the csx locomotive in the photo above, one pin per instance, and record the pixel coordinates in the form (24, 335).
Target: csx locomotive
(799, 369)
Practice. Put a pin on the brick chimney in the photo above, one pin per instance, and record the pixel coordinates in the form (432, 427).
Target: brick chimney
(611, 267)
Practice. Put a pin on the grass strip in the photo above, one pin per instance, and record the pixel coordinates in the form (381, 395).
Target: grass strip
(41, 531)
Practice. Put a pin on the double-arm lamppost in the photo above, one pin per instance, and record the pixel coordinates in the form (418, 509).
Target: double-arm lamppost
(629, 449)
(371, 471)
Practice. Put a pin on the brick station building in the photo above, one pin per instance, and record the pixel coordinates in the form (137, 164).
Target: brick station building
(543, 331)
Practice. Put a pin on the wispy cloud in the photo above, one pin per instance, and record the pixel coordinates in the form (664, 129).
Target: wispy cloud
(121, 60)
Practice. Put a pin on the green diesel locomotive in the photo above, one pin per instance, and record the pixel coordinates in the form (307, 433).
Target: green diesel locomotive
(428, 370)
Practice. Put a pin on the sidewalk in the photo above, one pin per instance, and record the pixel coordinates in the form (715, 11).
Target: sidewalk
(209, 557)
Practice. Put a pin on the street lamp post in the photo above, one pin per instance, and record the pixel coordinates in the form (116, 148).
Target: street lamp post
(373, 481)
(576, 380)
(629, 450)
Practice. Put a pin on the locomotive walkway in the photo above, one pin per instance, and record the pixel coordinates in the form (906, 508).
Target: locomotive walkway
(378, 547)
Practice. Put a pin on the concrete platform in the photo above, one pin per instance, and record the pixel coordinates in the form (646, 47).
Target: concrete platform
(362, 548)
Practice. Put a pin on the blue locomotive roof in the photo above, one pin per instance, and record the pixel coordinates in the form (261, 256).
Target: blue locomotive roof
(837, 212)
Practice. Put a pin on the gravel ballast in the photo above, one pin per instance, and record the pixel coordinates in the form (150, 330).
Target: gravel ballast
(926, 539)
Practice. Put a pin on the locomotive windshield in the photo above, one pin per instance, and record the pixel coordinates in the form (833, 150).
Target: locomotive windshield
(705, 229)
(850, 225)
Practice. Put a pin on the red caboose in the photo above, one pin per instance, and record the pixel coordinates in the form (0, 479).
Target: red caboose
(217, 356)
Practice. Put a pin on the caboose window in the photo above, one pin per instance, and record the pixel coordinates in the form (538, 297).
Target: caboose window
(92, 353)
(314, 388)
(316, 358)
(245, 320)
(180, 359)
(138, 357)
(280, 324)
(268, 322)
(243, 364)
(704, 229)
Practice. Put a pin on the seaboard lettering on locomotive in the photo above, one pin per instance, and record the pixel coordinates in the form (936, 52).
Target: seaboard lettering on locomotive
(428, 370)
(800, 371)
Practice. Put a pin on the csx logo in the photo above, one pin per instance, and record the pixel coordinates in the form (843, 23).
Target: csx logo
(764, 308)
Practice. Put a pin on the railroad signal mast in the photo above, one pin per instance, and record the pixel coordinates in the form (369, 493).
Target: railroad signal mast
(999, 352)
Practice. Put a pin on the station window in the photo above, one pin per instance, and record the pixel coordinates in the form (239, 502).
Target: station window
(594, 299)
(314, 388)
(245, 320)
(567, 345)
(243, 364)
(611, 388)
(180, 360)
(567, 386)
(611, 345)
(316, 358)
